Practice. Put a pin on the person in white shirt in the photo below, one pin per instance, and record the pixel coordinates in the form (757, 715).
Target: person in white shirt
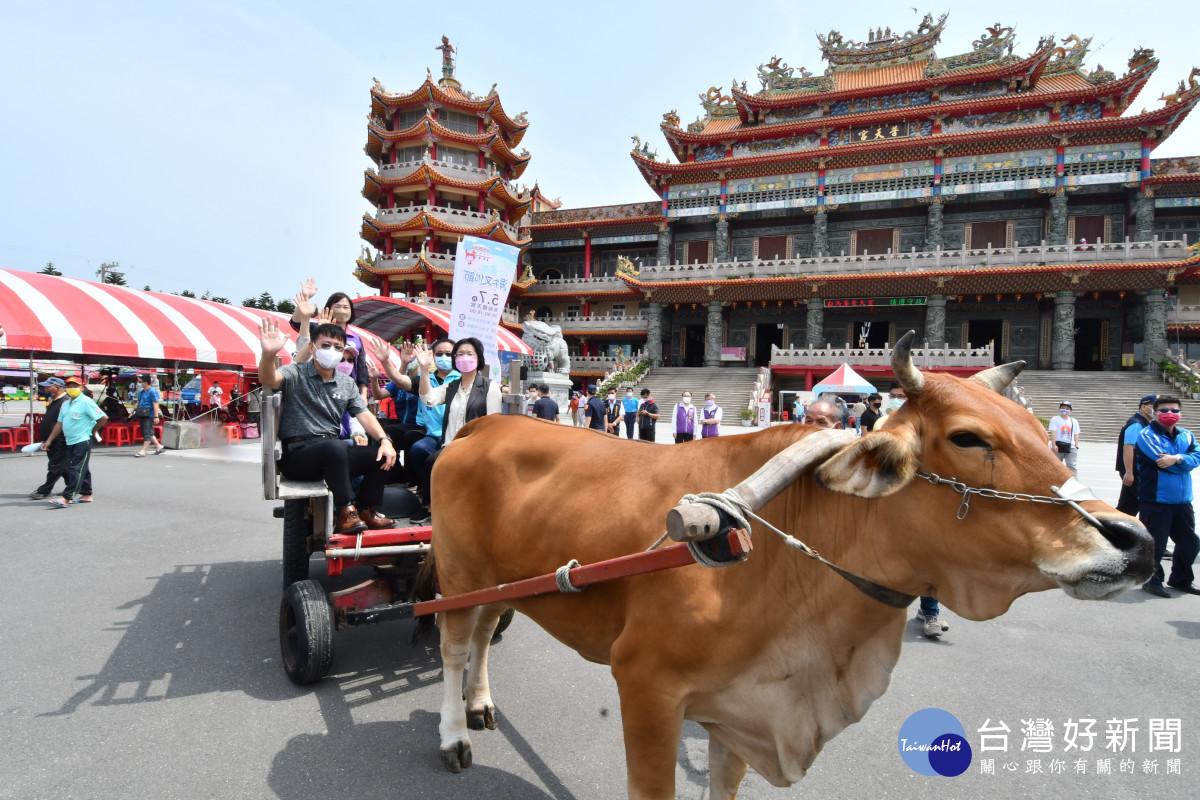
(1064, 436)
(214, 394)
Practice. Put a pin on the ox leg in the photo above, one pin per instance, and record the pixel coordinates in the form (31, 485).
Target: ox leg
(456, 629)
(481, 712)
(726, 770)
(652, 722)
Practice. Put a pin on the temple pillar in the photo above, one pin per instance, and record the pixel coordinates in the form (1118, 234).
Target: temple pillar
(664, 244)
(654, 333)
(432, 197)
(712, 336)
(1062, 352)
(385, 289)
(820, 233)
(1154, 330)
(933, 227)
(721, 243)
(587, 256)
(1144, 209)
(935, 320)
(429, 285)
(1057, 232)
(815, 323)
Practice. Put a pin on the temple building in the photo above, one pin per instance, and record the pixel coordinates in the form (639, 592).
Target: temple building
(982, 199)
(446, 165)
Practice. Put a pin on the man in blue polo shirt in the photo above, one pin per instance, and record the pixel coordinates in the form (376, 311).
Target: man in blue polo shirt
(78, 420)
(1166, 455)
(629, 409)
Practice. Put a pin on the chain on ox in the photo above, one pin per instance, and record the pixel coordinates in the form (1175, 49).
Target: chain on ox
(776, 655)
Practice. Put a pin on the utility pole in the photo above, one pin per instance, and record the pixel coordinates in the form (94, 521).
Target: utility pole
(106, 268)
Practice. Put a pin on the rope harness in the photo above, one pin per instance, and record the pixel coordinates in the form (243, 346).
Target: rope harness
(735, 508)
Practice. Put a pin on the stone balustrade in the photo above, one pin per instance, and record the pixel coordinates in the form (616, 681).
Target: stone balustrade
(404, 168)
(597, 322)
(1182, 313)
(917, 260)
(924, 357)
(599, 364)
(597, 283)
(460, 217)
(402, 260)
(509, 314)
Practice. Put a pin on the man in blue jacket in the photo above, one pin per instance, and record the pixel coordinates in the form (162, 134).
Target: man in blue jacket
(1166, 455)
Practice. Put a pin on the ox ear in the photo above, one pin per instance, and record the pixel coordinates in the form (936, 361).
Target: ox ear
(876, 465)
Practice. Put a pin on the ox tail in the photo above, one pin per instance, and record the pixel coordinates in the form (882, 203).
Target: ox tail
(425, 587)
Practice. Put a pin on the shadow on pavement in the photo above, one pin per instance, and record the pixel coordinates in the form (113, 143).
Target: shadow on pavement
(214, 628)
(393, 760)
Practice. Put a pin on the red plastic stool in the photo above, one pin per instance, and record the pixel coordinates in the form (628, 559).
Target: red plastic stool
(116, 435)
(232, 433)
(21, 437)
(6, 439)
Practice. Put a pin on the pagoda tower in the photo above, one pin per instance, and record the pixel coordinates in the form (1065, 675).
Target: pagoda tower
(445, 164)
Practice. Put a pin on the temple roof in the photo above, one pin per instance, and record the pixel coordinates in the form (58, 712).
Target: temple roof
(453, 97)
(422, 219)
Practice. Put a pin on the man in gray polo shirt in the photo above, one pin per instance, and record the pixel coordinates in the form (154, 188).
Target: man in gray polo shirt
(315, 395)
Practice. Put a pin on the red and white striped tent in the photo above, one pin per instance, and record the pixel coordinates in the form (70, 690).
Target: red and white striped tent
(46, 316)
(390, 318)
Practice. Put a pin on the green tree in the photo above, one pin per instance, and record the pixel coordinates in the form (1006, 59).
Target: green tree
(224, 300)
(115, 278)
(286, 306)
(186, 293)
(250, 302)
(49, 269)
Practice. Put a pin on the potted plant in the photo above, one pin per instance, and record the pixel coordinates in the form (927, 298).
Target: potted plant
(747, 416)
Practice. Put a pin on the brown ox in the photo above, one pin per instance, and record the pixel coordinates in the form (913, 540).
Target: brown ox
(777, 655)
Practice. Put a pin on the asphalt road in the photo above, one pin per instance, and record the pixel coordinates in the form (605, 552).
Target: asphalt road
(139, 658)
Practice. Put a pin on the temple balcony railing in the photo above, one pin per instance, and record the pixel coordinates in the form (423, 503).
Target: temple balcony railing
(509, 314)
(923, 357)
(404, 168)
(597, 323)
(918, 260)
(408, 260)
(1182, 313)
(581, 286)
(601, 364)
(463, 218)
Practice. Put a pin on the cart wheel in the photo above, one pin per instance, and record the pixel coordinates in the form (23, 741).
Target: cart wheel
(505, 620)
(306, 632)
(296, 551)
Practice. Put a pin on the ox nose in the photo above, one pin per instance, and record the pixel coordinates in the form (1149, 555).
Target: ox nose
(1131, 538)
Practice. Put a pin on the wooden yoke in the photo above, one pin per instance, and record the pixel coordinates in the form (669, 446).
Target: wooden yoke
(691, 522)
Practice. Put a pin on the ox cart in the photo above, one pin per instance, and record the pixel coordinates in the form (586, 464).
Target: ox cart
(309, 613)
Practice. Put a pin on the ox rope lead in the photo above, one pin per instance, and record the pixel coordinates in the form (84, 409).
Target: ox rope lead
(562, 578)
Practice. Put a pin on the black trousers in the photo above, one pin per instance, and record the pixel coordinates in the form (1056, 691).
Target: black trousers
(680, 438)
(630, 420)
(1177, 522)
(1128, 502)
(646, 433)
(79, 472)
(336, 461)
(57, 468)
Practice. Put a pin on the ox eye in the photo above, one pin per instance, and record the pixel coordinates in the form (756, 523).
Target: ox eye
(967, 440)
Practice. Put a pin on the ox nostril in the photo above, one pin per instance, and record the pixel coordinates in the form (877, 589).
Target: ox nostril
(1126, 534)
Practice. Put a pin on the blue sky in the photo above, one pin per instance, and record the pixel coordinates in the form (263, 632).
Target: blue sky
(218, 146)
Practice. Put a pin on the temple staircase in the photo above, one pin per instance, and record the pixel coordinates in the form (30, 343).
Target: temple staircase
(1102, 400)
(733, 387)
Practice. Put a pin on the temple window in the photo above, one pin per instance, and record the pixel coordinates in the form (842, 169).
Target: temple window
(873, 241)
(618, 310)
(572, 312)
(462, 123)
(771, 248)
(454, 155)
(406, 119)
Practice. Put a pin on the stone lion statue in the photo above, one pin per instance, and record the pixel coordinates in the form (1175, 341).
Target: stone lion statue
(549, 347)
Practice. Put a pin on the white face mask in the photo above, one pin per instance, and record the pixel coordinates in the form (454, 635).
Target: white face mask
(327, 357)
(687, 401)
(894, 403)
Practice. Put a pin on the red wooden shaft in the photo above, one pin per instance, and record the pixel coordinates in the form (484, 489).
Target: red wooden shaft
(676, 555)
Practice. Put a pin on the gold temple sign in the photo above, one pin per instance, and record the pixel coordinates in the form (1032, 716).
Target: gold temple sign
(877, 132)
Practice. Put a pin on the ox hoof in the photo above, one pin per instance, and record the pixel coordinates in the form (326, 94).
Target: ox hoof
(457, 756)
(484, 718)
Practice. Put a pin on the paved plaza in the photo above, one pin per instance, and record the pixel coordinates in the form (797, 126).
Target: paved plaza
(140, 659)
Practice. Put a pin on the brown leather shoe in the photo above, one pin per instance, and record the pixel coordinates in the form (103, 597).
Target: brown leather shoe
(348, 521)
(374, 520)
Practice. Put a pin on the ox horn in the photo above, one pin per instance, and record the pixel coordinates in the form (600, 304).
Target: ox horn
(902, 364)
(998, 378)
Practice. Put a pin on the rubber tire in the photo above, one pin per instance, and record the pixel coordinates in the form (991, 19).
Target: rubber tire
(306, 632)
(296, 551)
(505, 620)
